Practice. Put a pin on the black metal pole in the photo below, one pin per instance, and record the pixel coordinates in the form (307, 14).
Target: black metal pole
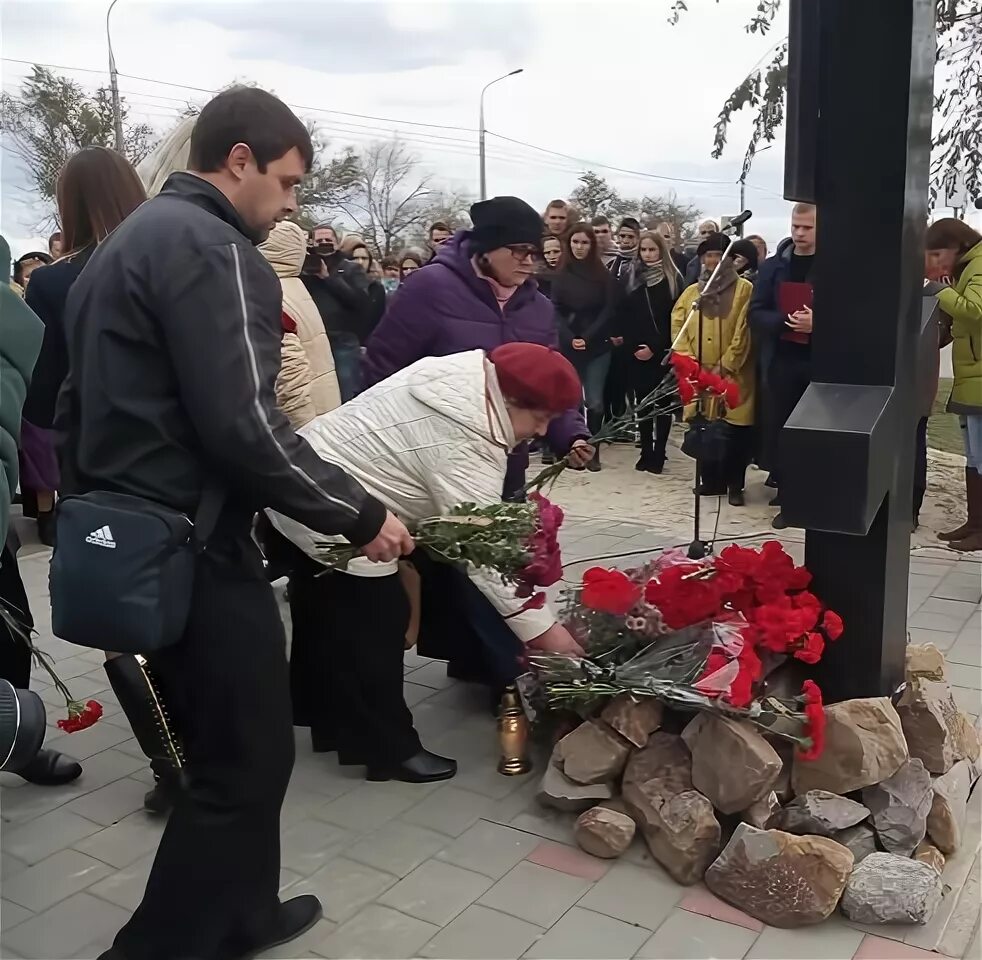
(697, 549)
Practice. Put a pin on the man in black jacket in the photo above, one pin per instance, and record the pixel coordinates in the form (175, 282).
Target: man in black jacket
(173, 333)
(339, 288)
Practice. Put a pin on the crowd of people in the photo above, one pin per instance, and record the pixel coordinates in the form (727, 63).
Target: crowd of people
(262, 390)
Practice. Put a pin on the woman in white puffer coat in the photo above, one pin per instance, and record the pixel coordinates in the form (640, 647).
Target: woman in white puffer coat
(285, 249)
(433, 435)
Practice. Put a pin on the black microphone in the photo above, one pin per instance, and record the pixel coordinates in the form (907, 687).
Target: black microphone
(978, 204)
(741, 218)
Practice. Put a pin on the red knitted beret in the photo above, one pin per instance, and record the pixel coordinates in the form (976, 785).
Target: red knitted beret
(536, 377)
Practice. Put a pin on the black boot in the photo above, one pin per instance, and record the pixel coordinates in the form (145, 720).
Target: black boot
(49, 768)
(141, 702)
(293, 918)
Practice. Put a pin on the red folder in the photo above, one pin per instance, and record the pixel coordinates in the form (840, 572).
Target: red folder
(792, 297)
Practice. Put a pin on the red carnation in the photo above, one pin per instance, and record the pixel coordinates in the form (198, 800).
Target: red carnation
(814, 721)
(80, 716)
(832, 624)
(687, 392)
(545, 563)
(684, 366)
(731, 395)
(811, 650)
(800, 578)
(536, 602)
(609, 591)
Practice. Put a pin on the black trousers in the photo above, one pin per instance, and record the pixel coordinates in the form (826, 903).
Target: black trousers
(731, 473)
(15, 657)
(212, 892)
(346, 664)
(654, 433)
(790, 374)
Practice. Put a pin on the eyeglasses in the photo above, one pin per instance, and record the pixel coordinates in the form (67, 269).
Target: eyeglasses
(522, 251)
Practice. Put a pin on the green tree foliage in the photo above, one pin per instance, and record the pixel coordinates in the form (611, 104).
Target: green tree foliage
(53, 117)
(957, 103)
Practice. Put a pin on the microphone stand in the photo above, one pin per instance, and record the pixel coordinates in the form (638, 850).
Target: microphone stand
(698, 548)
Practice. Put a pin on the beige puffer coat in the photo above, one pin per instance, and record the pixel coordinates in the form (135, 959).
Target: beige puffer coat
(293, 381)
(285, 249)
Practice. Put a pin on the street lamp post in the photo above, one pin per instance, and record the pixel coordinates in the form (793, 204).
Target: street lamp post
(484, 184)
(114, 85)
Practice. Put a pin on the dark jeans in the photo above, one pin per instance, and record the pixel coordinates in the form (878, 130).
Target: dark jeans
(15, 657)
(212, 892)
(790, 374)
(346, 664)
(347, 364)
(618, 386)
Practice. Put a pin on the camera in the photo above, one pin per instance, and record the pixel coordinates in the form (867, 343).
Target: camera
(22, 727)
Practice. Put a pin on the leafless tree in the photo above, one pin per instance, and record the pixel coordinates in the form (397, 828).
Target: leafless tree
(390, 199)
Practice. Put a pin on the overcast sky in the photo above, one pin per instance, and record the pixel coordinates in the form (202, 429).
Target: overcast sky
(609, 82)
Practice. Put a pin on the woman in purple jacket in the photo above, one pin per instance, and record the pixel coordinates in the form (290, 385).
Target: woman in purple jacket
(477, 293)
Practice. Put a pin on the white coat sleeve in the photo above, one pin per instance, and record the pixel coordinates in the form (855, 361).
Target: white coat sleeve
(475, 473)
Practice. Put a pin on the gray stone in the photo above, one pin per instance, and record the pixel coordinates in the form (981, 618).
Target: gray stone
(860, 839)
(634, 718)
(864, 744)
(761, 813)
(820, 813)
(886, 888)
(732, 764)
(561, 793)
(592, 753)
(604, 831)
(779, 878)
(900, 805)
(946, 819)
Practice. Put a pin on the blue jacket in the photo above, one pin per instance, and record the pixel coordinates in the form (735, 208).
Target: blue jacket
(766, 319)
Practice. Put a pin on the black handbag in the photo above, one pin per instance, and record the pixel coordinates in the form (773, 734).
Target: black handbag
(122, 572)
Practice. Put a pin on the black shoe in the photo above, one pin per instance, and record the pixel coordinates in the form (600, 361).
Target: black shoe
(424, 767)
(770, 481)
(46, 527)
(735, 498)
(705, 490)
(649, 464)
(295, 917)
(594, 465)
(162, 797)
(49, 768)
(779, 523)
(776, 500)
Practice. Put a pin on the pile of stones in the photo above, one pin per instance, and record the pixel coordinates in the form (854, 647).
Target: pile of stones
(868, 825)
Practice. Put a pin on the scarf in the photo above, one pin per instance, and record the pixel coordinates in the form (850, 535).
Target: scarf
(719, 301)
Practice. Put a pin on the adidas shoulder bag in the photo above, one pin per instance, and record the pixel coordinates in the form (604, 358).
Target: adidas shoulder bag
(123, 569)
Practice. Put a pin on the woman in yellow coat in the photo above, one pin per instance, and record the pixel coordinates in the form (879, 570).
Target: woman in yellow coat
(726, 349)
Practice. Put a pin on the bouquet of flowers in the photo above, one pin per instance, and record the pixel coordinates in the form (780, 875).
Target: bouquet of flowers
(698, 635)
(682, 384)
(80, 715)
(517, 541)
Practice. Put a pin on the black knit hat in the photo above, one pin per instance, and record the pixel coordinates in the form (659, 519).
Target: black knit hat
(745, 248)
(714, 242)
(504, 220)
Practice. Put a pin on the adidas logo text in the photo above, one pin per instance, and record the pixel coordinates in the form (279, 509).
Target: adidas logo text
(103, 537)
